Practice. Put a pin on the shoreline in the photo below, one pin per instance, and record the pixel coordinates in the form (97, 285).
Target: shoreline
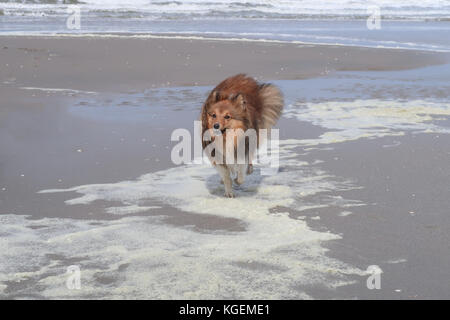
(193, 36)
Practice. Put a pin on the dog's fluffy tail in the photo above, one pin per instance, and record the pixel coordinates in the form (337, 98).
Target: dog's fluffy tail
(272, 105)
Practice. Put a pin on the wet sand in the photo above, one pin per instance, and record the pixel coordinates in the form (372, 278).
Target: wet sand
(379, 199)
(405, 227)
(124, 64)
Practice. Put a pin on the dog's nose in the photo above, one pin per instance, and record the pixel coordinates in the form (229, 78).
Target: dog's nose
(216, 126)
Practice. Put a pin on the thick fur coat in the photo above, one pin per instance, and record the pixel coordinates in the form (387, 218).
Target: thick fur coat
(238, 102)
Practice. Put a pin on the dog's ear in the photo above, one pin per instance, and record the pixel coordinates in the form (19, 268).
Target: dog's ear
(204, 120)
(239, 99)
(213, 97)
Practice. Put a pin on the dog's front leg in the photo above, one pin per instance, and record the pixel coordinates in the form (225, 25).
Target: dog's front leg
(241, 171)
(225, 174)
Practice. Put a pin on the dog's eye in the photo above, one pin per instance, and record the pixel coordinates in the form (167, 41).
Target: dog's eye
(227, 117)
(213, 115)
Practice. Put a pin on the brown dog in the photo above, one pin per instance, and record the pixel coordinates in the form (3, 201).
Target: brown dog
(238, 102)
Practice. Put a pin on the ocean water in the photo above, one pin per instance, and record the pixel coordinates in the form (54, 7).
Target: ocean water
(408, 24)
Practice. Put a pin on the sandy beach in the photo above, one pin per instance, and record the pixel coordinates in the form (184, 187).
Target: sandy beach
(120, 63)
(86, 176)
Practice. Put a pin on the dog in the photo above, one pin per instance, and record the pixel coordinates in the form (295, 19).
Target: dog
(242, 104)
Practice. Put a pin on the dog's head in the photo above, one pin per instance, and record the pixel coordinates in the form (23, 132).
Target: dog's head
(224, 112)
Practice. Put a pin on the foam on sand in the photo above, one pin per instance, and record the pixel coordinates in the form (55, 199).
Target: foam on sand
(369, 118)
(275, 255)
(63, 90)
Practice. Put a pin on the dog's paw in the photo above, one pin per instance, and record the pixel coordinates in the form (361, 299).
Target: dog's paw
(238, 181)
(250, 169)
(229, 194)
